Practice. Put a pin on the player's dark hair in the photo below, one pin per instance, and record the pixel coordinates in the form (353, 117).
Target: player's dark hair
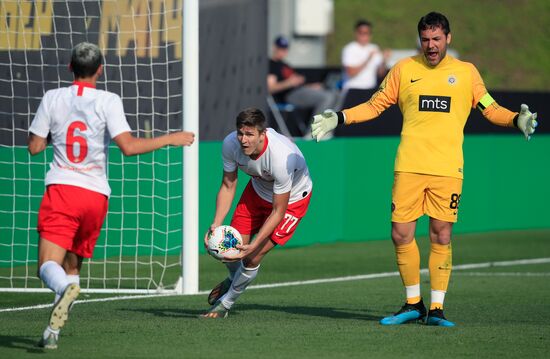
(85, 59)
(434, 20)
(362, 22)
(251, 117)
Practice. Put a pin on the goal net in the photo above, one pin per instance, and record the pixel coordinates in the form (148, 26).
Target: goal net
(140, 246)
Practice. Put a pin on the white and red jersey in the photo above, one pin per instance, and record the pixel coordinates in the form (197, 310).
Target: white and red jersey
(280, 168)
(82, 120)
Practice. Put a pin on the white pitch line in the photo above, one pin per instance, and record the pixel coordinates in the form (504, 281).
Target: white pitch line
(504, 274)
(296, 283)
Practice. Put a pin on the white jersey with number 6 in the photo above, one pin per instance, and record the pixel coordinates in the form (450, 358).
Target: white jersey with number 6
(82, 120)
(280, 168)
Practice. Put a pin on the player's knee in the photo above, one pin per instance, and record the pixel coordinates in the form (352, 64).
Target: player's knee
(440, 232)
(441, 238)
(401, 238)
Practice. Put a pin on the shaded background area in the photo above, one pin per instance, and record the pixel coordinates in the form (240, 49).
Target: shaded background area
(233, 62)
(141, 42)
(509, 56)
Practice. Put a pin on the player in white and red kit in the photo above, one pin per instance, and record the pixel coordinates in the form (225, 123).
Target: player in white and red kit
(81, 121)
(271, 206)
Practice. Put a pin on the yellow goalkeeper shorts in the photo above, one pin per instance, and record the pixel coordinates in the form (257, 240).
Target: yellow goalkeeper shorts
(414, 195)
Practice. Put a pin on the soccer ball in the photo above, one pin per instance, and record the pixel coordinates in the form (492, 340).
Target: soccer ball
(223, 240)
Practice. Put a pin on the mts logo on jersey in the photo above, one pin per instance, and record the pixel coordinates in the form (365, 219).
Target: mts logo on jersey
(434, 103)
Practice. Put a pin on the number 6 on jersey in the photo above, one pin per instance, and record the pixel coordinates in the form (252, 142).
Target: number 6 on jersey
(71, 139)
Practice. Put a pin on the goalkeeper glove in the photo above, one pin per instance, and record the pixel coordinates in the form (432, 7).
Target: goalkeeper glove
(323, 124)
(527, 121)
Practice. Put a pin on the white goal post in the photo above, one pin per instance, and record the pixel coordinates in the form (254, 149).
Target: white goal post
(149, 243)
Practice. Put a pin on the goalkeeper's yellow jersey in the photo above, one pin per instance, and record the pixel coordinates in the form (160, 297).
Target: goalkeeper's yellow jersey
(435, 103)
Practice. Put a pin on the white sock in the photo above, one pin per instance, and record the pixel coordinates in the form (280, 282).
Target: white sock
(438, 296)
(54, 277)
(49, 331)
(233, 267)
(71, 278)
(243, 277)
(412, 291)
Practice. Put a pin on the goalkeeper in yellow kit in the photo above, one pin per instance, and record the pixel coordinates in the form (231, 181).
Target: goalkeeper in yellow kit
(435, 93)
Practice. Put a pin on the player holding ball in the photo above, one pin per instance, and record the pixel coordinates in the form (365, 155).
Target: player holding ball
(271, 206)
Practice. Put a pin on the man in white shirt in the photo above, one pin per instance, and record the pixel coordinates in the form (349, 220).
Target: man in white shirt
(271, 206)
(363, 61)
(81, 121)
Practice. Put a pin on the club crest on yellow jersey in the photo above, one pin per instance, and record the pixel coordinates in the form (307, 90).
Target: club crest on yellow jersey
(451, 79)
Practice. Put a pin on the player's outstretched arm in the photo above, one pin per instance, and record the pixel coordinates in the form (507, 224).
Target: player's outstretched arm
(379, 102)
(386, 96)
(36, 144)
(130, 145)
(526, 121)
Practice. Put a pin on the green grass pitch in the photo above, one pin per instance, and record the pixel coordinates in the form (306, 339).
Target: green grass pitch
(500, 311)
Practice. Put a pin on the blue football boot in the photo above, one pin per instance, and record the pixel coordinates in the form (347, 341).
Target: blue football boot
(407, 313)
(436, 317)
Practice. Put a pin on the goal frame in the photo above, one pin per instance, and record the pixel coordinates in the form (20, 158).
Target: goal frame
(188, 282)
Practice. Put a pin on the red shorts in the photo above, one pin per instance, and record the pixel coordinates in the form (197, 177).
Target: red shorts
(71, 217)
(252, 211)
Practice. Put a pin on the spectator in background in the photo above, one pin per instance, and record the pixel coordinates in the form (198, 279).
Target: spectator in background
(288, 86)
(363, 61)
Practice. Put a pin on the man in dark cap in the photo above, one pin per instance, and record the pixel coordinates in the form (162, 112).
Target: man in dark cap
(288, 86)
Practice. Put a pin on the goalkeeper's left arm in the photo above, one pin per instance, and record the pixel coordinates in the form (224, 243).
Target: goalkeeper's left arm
(524, 120)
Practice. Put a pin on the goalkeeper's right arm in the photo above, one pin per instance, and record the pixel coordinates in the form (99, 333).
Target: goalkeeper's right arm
(386, 96)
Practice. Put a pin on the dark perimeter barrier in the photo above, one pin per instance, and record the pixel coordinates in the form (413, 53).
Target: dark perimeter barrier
(232, 71)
